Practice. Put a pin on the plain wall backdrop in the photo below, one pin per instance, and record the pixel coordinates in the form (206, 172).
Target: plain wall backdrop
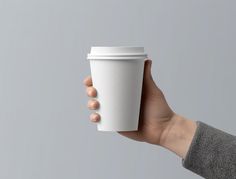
(45, 131)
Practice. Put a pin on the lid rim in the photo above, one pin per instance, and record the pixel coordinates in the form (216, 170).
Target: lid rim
(117, 52)
(117, 58)
(115, 55)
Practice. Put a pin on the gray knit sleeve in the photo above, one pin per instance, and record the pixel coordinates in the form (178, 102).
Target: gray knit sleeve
(212, 153)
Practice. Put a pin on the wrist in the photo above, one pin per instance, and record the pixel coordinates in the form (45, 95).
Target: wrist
(178, 135)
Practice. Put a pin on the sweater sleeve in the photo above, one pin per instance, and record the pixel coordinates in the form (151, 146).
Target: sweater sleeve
(212, 153)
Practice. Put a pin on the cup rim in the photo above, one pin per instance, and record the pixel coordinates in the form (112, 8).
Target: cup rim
(117, 52)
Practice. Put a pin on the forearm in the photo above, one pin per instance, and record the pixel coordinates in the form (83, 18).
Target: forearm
(206, 151)
(212, 153)
(178, 135)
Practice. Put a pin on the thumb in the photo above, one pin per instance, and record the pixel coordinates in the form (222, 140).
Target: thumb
(149, 83)
(147, 70)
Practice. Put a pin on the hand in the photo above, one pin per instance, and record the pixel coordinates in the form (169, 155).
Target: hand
(158, 124)
(155, 114)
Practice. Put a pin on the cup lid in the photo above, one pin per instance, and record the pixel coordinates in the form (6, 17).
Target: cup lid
(118, 52)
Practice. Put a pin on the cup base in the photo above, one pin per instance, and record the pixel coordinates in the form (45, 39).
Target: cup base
(115, 130)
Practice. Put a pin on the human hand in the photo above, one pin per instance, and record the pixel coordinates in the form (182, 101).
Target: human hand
(155, 114)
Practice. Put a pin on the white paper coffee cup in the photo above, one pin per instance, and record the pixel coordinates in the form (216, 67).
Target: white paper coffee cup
(117, 74)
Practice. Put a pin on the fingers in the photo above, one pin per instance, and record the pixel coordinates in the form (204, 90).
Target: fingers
(91, 91)
(88, 81)
(93, 104)
(95, 117)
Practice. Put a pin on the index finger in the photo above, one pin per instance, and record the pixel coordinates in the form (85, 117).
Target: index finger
(88, 81)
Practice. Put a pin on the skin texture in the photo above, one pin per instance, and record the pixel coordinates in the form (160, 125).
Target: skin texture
(158, 124)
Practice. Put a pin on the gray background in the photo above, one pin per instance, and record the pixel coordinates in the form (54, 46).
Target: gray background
(44, 128)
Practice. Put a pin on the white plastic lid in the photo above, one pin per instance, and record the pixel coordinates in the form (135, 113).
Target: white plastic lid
(121, 53)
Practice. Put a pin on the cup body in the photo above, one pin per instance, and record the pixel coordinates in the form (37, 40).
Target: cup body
(119, 87)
